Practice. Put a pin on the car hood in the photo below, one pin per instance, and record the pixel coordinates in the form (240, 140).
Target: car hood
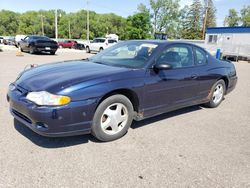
(57, 76)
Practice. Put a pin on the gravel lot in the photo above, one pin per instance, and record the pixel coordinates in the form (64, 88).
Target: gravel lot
(193, 147)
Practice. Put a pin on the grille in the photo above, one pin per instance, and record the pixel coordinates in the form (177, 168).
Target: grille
(25, 118)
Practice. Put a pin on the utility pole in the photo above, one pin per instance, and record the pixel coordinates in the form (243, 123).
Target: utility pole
(69, 31)
(42, 24)
(87, 20)
(205, 21)
(56, 28)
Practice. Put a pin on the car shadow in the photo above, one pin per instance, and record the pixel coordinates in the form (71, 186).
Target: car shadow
(51, 142)
(48, 142)
(138, 124)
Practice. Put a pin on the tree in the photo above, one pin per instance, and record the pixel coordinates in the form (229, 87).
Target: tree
(8, 22)
(211, 13)
(245, 15)
(156, 7)
(165, 16)
(193, 27)
(232, 19)
(184, 23)
(139, 26)
(142, 8)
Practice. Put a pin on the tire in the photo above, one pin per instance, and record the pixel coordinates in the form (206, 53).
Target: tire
(52, 53)
(101, 49)
(87, 49)
(32, 50)
(217, 94)
(112, 118)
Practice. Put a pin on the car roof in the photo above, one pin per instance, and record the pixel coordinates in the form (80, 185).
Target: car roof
(162, 42)
(37, 36)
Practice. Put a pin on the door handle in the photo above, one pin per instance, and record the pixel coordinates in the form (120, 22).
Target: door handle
(194, 76)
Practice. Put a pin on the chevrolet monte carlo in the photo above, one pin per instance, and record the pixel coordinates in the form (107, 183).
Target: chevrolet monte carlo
(132, 80)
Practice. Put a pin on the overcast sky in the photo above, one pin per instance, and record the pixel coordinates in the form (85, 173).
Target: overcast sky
(123, 8)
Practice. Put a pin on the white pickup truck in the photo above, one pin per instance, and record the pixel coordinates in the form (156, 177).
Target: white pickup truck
(99, 44)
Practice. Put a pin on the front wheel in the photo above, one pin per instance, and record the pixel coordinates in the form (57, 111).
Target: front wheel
(217, 94)
(32, 50)
(112, 118)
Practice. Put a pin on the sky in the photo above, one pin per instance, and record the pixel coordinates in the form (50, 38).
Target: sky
(122, 8)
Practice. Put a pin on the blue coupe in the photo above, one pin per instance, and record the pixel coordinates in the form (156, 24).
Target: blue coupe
(132, 80)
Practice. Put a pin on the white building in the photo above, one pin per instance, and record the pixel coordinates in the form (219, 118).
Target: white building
(233, 41)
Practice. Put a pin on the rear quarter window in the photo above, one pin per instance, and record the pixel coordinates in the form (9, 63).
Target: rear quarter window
(201, 56)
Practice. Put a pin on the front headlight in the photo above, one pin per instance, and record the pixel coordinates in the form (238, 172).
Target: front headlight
(45, 98)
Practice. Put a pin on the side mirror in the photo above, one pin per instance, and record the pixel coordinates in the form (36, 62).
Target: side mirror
(162, 66)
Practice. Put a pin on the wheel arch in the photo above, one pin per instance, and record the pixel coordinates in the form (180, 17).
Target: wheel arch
(226, 80)
(130, 94)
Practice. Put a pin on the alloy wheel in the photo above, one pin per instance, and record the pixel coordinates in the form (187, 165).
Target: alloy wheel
(218, 93)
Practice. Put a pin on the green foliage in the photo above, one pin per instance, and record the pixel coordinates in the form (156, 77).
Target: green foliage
(165, 15)
(71, 25)
(211, 13)
(8, 22)
(232, 19)
(192, 21)
(245, 15)
(138, 26)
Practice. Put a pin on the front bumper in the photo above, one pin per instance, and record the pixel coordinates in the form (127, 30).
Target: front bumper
(72, 119)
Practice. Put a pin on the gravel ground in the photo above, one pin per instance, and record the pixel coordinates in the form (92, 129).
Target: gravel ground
(193, 147)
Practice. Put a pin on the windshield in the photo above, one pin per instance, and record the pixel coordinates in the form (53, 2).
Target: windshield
(132, 54)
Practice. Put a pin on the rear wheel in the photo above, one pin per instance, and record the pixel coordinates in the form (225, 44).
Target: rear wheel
(20, 48)
(87, 49)
(217, 94)
(52, 53)
(112, 118)
(101, 49)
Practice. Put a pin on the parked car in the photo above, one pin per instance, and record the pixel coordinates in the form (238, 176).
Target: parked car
(132, 80)
(67, 44)
(100, 44)
(34, 44)
(79, 46)
(18, 39)
(1, 40)
(9, 41)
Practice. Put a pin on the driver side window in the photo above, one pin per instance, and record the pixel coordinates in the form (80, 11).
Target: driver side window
(26, 39)
(178, 56)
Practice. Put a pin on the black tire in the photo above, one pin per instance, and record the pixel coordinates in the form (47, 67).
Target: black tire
(52, 53)
(87, 49)
(32, 50)
(212, 103)
(101, 49)
(97, 130)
